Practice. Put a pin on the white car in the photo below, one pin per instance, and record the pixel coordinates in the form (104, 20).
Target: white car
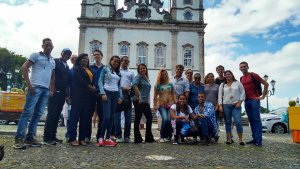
(274, 121)
(42, 119)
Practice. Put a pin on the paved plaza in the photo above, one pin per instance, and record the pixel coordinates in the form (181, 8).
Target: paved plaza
(278, 151)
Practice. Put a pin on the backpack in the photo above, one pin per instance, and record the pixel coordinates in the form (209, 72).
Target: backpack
(257, 84)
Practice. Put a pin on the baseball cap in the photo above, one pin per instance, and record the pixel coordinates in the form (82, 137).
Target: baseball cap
(66, 51)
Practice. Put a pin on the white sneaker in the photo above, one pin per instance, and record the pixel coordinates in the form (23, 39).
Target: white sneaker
(161, 140)
(119, 140)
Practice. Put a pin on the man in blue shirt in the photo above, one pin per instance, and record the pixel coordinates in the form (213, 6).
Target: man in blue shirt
(96, 69)
(204, 117)
(181, 85)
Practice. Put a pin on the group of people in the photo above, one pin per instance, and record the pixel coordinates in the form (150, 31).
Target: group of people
(187, 106)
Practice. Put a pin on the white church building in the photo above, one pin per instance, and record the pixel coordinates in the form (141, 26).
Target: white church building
(145, 32)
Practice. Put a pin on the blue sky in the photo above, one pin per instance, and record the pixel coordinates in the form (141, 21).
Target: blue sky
(265, 33)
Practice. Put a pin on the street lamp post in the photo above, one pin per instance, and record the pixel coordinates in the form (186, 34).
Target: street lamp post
(17, 72)
(8, 75)
(270, 92)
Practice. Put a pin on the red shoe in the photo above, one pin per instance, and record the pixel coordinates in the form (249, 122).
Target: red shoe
(101, 142)
(110, 143)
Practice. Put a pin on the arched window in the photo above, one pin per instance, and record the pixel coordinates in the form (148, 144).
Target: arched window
(94, 44)
(124, 49)
(188, 55)
(160, 53)
(188, 15)
(142, 53)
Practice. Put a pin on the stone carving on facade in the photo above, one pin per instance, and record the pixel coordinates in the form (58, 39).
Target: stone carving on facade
(143, 12)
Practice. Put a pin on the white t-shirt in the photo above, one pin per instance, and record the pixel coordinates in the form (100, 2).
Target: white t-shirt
(41, 71)
(181, 113)
(112, 84)
(126, 78)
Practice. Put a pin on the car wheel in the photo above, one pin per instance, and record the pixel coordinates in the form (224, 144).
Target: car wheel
(279, 128)
(5, 122)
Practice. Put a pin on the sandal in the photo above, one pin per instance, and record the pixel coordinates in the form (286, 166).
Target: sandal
(83, 143)
(74, 143)
(229, 142)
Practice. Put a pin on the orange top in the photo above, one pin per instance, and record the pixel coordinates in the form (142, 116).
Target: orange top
(90, 74)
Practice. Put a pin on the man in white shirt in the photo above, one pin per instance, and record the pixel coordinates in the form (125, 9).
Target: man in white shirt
(126, 80)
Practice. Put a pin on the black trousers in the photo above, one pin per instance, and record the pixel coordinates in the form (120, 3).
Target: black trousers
(82, 113)
(55, 106)
(98, 105)
(139, 109)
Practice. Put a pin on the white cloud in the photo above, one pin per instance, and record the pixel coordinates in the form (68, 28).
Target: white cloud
(23, 30)
(239, 17)
(282, 66)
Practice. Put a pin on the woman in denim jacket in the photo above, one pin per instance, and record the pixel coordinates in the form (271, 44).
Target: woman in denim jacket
(110, 91)
(142, 86)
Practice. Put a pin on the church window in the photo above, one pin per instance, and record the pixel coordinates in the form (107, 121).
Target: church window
(187, 2)
(188, 55)
(124, 49)
(188, 15)
(160, 53)
(94, 44)
(142, 53)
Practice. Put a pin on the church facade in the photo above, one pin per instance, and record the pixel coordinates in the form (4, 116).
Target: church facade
(145, 32)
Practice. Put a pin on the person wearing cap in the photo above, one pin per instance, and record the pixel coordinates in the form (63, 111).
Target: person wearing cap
(56, 102)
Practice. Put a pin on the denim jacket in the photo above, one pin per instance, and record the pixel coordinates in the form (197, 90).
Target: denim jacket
(105, 76)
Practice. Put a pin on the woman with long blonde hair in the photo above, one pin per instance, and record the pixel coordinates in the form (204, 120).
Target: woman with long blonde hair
(164, 97)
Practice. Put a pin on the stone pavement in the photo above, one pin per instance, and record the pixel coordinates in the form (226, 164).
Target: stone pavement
(278, 151)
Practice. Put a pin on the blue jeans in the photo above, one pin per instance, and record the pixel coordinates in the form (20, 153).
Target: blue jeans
(206, 128)
(117, 120)
(229, 112)
(34, 108)
(253, 113)
(109, 109)
(165, 128)
(68, 122)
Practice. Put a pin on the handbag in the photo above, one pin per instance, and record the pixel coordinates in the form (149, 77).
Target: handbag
(185, 129)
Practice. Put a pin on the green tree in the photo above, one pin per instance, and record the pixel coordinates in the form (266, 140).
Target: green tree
(263, 110)
(9, 62)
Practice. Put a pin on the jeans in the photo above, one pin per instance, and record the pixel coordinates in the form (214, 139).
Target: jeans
(55, 106)
(34, 108)
(126, 106)
(253, 113)
(68, 122)
(109, 109)
(231, 111)
(165, 128)
(206, 128)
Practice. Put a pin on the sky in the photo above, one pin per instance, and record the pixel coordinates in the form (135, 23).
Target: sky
(265, 33)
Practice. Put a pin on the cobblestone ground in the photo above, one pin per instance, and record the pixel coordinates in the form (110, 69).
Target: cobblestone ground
(278, 151)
